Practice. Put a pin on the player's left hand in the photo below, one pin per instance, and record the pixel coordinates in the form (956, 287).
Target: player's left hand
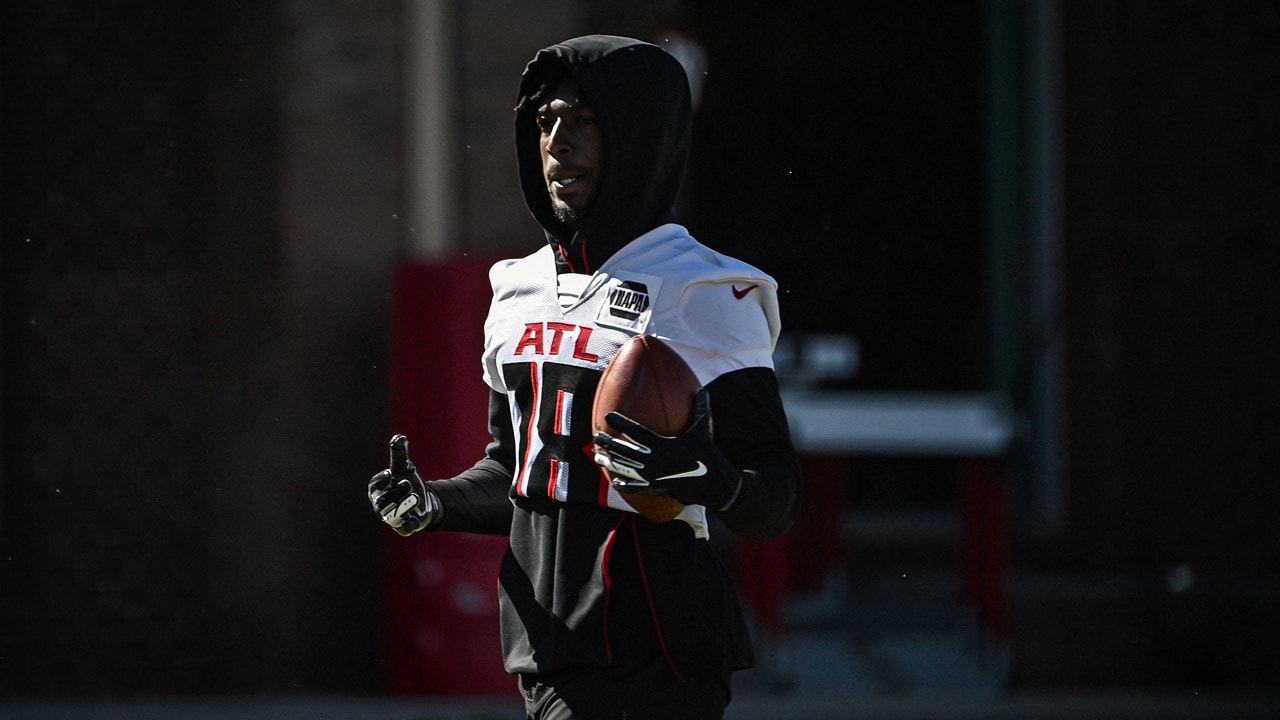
(688, 467)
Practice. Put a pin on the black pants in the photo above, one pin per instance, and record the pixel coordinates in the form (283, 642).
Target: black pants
(642, 691)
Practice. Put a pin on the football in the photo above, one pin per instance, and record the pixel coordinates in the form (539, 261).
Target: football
(650, 383)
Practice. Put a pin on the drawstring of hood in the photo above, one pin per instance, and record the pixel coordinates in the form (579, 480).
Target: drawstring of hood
(640, 95)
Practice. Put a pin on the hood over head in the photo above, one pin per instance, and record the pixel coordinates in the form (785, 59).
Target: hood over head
(640, 95)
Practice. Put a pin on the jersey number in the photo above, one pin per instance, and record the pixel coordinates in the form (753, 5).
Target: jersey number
(552, 408)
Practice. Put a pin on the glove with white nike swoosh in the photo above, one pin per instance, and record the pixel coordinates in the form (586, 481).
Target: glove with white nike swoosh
(688, 467)
(399, 495)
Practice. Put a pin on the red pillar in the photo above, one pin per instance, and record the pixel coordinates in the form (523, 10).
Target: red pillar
(985, 545)
(440, 589)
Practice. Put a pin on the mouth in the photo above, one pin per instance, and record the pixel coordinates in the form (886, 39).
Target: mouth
(566, 177)
(566, 181)
(570, 190)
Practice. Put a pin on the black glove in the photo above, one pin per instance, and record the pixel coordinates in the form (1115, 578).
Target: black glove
(688, 467)
(399, 495)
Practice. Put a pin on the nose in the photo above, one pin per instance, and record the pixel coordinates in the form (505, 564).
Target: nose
(558, 140)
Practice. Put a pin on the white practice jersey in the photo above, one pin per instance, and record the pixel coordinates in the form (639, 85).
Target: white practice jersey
(718, 313)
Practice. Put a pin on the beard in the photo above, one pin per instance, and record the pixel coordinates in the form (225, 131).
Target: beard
(565, 213)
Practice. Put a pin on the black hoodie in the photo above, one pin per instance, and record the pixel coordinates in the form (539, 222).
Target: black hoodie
(585, 587)
(641, 97)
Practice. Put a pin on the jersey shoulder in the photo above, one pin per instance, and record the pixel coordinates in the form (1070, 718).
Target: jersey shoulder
(670, 251)
(506, 276)
(720, 312)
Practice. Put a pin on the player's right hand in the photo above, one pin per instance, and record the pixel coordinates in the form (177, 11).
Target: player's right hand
(399, 495)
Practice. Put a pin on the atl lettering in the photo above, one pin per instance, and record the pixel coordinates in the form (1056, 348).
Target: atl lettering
(547, 338)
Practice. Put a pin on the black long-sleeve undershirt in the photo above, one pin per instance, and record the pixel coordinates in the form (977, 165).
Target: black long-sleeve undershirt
(477, 500)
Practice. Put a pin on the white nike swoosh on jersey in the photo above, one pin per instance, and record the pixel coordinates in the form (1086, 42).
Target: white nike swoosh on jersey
(696, 472)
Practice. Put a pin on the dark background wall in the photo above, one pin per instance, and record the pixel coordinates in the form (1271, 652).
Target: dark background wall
(112, 205)
(185, 393)
(1172, 234)
(843, 152)
(200, 224)
(1173, 230)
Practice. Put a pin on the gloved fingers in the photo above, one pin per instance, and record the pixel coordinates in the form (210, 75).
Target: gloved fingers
(395, 514)
(400, 470)
(636, 431)
(380, 482)
(399, 450)
(619, 465)
(379, 487)
(639, 486)
(407, 528)
(625, 446)
(391, 497)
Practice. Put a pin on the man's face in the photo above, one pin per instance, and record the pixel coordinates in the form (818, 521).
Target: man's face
(572, 151)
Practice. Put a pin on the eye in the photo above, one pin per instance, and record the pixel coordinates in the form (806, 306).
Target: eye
(546, 123)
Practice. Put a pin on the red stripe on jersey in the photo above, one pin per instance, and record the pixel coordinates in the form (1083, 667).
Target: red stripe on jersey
(563, 403)
(530, 433)
(554, 479)
(608, 584)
